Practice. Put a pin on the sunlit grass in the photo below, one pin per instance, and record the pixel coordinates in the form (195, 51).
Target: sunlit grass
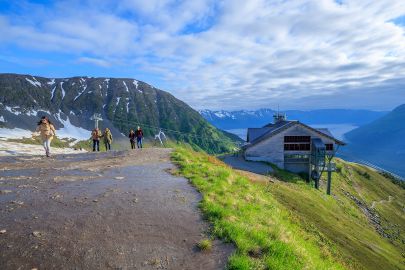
(248, 216)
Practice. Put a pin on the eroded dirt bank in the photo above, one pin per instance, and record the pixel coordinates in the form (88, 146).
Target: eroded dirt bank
(117, 210)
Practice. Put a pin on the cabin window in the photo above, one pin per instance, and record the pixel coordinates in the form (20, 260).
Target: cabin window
(297, 139)
(329, 146)
(297, 147)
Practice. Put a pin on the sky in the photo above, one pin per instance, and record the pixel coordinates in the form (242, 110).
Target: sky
(250, 54)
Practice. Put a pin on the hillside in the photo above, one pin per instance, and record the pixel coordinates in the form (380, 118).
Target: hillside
(123, 104)
(380, 142)
(285, 223)
(257, 118)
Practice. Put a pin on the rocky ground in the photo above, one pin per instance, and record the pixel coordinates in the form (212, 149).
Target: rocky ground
(116, 210)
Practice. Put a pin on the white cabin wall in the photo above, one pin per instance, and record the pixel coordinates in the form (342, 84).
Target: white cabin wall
(272, 149)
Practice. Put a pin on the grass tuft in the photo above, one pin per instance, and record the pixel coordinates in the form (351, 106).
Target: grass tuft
(205, 245)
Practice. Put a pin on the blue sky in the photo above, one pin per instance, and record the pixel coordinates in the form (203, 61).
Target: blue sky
(228, 54)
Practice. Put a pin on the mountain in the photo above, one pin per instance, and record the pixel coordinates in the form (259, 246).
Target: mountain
(380, 142)
(122, 103)
(257, 118)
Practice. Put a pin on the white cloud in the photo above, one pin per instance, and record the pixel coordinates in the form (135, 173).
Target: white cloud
(234, 54)
(94, 61)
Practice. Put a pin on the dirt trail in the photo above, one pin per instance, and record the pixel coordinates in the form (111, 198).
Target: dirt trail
(374, 203)
(116, 210)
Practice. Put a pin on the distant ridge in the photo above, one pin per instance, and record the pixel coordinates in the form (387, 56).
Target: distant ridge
(257, 118)
(381, 142)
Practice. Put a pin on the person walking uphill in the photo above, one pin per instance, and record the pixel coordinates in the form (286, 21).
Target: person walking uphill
(139, 136)
(47, 131)
(132, 137)
(107, 139)
(96, 135)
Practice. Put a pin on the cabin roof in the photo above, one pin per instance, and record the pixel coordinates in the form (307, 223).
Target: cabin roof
(256, 135)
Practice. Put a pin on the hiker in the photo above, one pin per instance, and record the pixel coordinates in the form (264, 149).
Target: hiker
(96, 135)
(107, 139)
(132, 137)
(47, 131)
(139, 136)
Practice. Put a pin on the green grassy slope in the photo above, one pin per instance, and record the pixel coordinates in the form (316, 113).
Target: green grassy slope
(290, 225)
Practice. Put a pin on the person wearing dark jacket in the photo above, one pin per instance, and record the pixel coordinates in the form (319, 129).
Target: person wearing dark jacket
(132, 137)
(96, 135)
(139, 136)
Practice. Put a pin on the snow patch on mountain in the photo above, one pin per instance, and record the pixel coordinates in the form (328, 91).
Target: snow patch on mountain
(222, 114)
(53, 92)
(63, 90)
(118, 101)
(135, 82)
(71, 131)
(35, 112)
(51, 82)
(80, 93)
(126, 87)
(13, 110)
(127, 99)
(34, 82)
(2, 119)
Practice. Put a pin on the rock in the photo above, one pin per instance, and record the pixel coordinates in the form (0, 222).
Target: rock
(95, 200)
(5, 191)
(17, 202)
(57, 196)
(37, 234)
(3, 231)
(119, 177)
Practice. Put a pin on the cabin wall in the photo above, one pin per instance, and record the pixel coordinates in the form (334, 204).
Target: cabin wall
(272, 149)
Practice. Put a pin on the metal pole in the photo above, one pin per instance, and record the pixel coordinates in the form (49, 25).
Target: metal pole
(329, 178)
(96, 117)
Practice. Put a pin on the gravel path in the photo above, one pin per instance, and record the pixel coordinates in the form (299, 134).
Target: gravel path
(116, 210)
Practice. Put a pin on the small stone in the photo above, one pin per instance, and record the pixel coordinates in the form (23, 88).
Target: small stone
(18, 202)
(3, 231)
(119, 177)
(37, 234)
(95, 200)
(5, 191)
